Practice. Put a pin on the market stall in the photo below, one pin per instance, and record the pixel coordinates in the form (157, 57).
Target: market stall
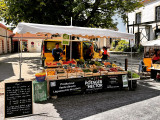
(77, 75)
(151, 48)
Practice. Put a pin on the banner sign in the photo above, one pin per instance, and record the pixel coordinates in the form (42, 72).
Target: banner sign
(93, 83)
(66, 86)
(85, 84)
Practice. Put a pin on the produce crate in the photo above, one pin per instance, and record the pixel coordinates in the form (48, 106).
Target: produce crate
(111, 73)
(88, 74)
(53, 64)
(61, 75)
(69, 62)
(121, 72)
(72, 75)
(97, 72)
(51, 77)
(80, 74)
(71, 72)
(103, 71)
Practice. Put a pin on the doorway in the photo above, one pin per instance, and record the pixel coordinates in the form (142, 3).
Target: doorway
(15, 46)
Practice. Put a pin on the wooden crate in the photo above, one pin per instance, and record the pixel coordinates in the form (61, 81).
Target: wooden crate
(62, 76)
(88, 74)
(104, 72)
(111, 73)
(97, 74)
(80, 74)
(72, 75)
(121, 72)
(50, 77)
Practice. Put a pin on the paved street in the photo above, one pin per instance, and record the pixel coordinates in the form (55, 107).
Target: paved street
(111, 105)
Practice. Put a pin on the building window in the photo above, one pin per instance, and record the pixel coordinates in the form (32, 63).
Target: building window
(158, 13)
(138, 17)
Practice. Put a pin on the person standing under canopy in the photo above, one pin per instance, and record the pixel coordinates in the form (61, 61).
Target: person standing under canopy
(156, 56)
(105, 53)
(57, 52)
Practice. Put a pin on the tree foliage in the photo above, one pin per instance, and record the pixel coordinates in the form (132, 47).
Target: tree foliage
(85, 13)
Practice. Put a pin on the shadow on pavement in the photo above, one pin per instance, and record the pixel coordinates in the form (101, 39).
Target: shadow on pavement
(80, 106)
(6, 71)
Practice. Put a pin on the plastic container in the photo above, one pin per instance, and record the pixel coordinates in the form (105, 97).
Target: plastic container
(40, 79)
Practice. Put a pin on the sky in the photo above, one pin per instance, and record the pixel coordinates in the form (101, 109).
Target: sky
(121, 26)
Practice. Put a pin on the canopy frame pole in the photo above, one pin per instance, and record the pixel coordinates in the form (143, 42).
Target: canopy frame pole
(70, 47)
(20, 60)
(71, 44)
(131, 65)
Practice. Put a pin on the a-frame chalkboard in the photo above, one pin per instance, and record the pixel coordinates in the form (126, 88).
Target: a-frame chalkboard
(18, 98)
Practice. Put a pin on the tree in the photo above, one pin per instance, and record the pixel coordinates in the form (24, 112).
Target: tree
(85, 13)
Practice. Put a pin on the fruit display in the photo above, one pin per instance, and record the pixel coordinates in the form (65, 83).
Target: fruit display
(71, 70)
(107, 63)
(113, 70)
(41, 74)
(51, 72)
(79, 70)
(114, 65)
(97, 63)
(68, 62)
(80, 61)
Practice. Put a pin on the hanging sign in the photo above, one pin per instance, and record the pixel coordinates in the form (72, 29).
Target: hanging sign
(65, 40)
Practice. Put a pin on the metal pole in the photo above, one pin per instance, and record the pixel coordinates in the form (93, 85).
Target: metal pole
(71, 21)
(71, 43)
(70, 47)
(20, 62)
(131, 66)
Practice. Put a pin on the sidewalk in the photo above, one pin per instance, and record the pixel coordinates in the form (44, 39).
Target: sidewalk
(9, 67)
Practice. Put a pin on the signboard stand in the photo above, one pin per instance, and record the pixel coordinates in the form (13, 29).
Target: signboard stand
(18, 99)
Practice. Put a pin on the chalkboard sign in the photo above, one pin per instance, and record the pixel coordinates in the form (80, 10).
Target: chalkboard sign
(112, 81)
(18, 99)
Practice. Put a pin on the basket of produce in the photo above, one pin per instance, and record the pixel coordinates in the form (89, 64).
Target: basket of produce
(61, 73)
(69, 62)
(53, 63)
(103, 71)
(51, 74)
(80, 61)
(40, 77)
(71, 73)
(96, 72)
(87, 72)
(80, 72)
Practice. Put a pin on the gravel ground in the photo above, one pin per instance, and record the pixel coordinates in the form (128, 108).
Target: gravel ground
(111, 105)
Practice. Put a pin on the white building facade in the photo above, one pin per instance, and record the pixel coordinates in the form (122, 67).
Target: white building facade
(5, 39)
(145, 22)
